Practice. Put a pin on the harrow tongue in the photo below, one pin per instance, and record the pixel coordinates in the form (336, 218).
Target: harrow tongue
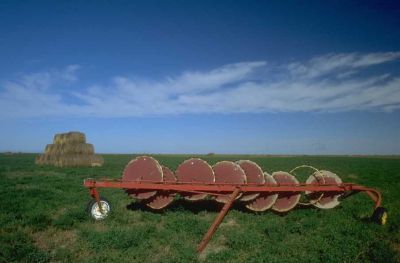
(156, 186)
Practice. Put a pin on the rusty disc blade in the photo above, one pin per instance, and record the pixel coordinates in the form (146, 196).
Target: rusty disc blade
(265, 200)
(163, 198)
(228, 173)
(195, 170)
(142, 168)
(328, 200)
(254, 175)
(168, 175)
(286, 200)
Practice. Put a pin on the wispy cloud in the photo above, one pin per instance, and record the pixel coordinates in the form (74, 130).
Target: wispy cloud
(328, 83)
(339, 63)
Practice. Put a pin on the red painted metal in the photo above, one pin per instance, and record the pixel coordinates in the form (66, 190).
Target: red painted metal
(231, 191)
(286, 200)
(163, 198)
(95, 194)
(195, 170)
(254, 174)
(324, 200)
(228, 172)
(218, 220)
(265, 200)
(139, 169)
(223, 187)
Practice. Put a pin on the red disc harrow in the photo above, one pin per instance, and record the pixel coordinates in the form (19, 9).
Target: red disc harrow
(156, 186)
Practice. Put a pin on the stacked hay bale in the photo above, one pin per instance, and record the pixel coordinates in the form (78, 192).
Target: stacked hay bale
(70, 149)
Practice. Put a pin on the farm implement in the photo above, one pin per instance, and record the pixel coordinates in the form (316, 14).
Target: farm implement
(156, 186)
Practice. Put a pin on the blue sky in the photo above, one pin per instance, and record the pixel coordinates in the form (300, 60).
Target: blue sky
(202, 76)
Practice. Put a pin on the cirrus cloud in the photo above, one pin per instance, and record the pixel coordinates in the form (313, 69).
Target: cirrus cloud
(328, 83)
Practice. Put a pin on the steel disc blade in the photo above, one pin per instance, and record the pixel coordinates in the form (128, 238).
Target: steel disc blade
(159, 201)
(163, 198)
(195, 170)
(168, 175)
(329, 199)
(142, 168)
(265, 200)
(286, 200)
(228, 173)
(254, 174)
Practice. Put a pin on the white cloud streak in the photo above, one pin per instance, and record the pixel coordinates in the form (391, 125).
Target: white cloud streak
(329, 83)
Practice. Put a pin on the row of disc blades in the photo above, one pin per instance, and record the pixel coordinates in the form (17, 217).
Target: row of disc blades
(197, 171)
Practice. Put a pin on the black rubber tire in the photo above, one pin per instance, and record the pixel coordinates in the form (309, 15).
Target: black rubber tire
(93, 202)
(379, 216)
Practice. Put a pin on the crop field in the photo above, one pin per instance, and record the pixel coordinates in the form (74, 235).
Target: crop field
(43, 218)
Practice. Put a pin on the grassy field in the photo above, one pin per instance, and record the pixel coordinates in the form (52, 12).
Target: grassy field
(43, 218)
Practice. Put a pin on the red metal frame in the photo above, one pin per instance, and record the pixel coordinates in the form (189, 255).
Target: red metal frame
(230, 190)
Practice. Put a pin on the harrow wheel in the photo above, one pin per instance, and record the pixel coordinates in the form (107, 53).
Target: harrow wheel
(143, 169)
(195, 170)
(254, 175)
(324, 200)
(228, 173)
(286, 200)
(265, 200)
(163, 198)
(380, 216)
(94, 210)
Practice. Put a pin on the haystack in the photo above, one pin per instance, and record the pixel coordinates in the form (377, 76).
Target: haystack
(70, 149)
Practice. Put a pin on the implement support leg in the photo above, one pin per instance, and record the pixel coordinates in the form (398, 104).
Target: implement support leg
(218, 220)
(95, 194)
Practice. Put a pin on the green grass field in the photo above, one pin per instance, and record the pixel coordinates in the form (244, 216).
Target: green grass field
(43, 218)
